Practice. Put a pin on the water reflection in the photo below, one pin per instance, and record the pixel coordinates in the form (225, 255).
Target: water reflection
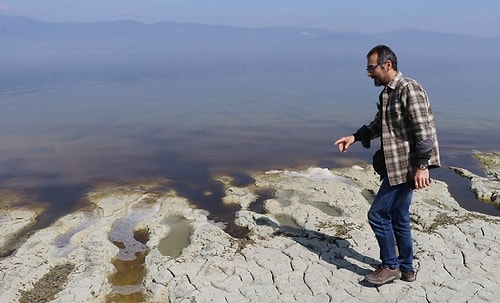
(178, 237)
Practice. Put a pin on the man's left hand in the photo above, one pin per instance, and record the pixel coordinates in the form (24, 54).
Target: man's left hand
(422, 179)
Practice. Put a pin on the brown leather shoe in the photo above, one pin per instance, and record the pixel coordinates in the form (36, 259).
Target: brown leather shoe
(383, 275)
(408, 276)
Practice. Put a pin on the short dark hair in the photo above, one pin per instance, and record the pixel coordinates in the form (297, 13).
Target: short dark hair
(384, 53)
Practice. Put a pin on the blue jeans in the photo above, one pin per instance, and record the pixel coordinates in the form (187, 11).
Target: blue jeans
(389, 218)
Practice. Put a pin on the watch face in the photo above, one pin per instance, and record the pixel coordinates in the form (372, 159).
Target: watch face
(422, 166)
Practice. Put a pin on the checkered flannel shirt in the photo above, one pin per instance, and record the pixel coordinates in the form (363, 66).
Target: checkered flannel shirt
(404, 119)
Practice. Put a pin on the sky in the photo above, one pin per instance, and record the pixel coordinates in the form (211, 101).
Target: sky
(477, 18)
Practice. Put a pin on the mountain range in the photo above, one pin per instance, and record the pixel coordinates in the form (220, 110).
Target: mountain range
(21, 35)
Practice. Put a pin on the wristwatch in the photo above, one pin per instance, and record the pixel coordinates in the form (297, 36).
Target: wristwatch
(422, 166)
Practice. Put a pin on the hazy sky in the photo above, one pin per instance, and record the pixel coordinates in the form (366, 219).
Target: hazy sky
(478, 17)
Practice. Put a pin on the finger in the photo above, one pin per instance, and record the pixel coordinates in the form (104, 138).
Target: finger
(340, 141)
(418, 183)
(346, 145)
(422, 183)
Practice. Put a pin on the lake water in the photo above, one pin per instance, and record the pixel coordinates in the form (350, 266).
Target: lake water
(68, 124)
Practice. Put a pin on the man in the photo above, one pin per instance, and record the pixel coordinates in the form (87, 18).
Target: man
(409, 148)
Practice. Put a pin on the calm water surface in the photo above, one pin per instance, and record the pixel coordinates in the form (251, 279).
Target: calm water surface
(66, 127)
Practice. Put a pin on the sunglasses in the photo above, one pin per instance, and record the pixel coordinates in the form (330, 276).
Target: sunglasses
(371, 68)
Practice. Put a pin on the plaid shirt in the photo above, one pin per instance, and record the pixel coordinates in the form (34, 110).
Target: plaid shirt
(404, 118)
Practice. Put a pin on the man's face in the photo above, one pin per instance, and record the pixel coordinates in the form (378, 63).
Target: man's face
(376, 71)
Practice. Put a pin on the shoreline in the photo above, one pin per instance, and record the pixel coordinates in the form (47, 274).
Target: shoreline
(308, 239)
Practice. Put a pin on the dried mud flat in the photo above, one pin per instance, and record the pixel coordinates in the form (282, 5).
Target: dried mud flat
(307, 240)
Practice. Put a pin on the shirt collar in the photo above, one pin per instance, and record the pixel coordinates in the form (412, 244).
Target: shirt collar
(392, 84)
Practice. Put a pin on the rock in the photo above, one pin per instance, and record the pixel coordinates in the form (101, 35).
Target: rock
(13, 222)
(311, 244)
(484, 188)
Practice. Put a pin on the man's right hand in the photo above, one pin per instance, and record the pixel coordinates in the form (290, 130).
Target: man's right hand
(344, 143)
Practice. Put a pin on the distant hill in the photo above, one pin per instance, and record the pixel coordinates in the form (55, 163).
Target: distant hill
(20, 35)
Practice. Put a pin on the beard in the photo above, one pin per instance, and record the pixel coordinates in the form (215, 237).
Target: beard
(377, 82)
